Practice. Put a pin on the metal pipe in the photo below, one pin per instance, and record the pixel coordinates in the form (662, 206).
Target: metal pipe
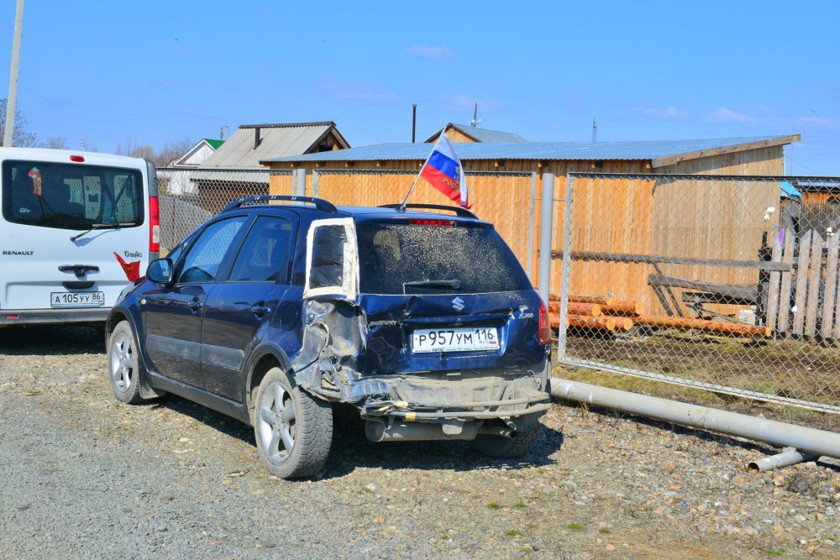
(413, 121)
(808, 440)
(565, 277)
(789, 456)
(11, 101)
(546, 227)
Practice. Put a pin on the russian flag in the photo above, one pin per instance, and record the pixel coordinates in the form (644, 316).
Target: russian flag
(443, 171)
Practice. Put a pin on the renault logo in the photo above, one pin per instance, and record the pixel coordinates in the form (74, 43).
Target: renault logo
(458, 304)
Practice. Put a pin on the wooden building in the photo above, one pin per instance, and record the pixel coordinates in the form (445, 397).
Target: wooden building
(632, 220)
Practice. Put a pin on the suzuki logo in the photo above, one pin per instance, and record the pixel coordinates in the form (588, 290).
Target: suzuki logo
(458, 304)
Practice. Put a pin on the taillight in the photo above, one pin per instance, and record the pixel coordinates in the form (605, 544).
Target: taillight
(425, 222)
(154, 225)
(545, 326)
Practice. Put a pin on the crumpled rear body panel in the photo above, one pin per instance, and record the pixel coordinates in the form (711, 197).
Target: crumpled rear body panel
(361, 354)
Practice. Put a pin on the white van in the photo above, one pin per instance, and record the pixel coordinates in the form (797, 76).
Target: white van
(76, 228)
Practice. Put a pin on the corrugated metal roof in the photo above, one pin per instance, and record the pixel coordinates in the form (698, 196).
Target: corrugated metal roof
(586, 151)
(491, 136)
(275, 141)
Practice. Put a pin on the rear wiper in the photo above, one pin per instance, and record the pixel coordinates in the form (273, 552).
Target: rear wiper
(453, 284)
(115, 225)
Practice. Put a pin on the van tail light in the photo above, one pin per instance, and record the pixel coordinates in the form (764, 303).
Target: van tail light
(154, 225)
(545, 325)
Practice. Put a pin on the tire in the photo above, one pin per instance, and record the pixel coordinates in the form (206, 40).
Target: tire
(293, 430)
(124, 369)
(501, 447)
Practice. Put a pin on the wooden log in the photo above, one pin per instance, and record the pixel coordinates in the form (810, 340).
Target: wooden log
(802, 283)
(623, 323)
(812, 303)
(587, 309)
(624, 308)
(603, 323)
(830, 299)
(775, 281)
(787, 283)
(582, 298)
(715, 327)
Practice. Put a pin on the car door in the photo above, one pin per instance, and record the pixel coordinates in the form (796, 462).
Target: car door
(238, 311)
(172, 314)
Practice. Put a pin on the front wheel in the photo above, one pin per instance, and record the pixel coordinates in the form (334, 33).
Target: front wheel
(292, 429)
(124, 369)
(501, 447)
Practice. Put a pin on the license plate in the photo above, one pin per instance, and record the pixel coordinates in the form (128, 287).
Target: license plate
(77, 299)
(454, 340)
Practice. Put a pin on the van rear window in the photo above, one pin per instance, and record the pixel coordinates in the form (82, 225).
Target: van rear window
(68, 196)
(426, 259)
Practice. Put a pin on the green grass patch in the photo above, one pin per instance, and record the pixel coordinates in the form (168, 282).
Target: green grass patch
(575, 527)
(512, 533)
(493, 505)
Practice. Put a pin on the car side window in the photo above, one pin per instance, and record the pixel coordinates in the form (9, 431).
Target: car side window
(207, 253)
(264, 256)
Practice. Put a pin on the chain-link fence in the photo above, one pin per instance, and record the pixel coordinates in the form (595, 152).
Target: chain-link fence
(188, 197)
(728, 284)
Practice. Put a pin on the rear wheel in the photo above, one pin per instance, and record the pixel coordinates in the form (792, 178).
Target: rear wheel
(124, 369)
(292, 429)
(502, 447)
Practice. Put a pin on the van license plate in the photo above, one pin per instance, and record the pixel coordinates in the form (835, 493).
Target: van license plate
(454, 340)
(77, 299)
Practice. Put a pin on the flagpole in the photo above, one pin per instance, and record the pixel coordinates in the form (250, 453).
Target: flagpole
(402, 206)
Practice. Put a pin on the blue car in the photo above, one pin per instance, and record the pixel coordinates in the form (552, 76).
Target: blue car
(420, 317)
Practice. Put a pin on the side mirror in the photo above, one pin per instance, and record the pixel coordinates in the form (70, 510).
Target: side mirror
(160, 271)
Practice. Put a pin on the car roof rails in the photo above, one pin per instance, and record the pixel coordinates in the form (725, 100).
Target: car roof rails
(319, 203)
(459, 211)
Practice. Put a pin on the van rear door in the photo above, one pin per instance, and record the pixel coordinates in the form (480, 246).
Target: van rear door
(75, 230)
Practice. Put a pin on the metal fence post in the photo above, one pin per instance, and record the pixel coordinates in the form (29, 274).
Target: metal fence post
(546, 228)
(314, 183)
(531, 211)
(567, 267)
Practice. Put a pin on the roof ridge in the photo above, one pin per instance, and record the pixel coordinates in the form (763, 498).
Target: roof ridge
(288, 125)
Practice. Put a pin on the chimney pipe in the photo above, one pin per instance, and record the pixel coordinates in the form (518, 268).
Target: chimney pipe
(257, 139)
(413, 121)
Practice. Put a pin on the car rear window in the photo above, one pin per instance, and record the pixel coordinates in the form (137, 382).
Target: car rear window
(418, 259)
(67, 196)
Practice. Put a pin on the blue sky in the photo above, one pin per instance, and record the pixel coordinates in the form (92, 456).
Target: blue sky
(119, 73)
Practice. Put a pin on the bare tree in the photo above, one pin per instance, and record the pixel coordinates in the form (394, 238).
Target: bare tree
(56, 143)
(22, 138)
(174, 150)
(146, 152)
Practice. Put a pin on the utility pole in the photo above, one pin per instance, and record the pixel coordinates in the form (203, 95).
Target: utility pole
(9, 133)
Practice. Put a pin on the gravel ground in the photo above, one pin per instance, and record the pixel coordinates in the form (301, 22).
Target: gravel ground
(84, 476)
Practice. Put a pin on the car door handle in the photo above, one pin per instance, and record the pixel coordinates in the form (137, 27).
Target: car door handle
(195, 305)
(260, 310)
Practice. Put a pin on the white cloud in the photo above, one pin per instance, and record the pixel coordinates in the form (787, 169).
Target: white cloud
(668, 113)
(726, 115)
(351, 91)
(432, 52)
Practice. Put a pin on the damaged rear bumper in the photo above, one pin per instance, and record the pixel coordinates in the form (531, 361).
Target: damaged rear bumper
(446, 405)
